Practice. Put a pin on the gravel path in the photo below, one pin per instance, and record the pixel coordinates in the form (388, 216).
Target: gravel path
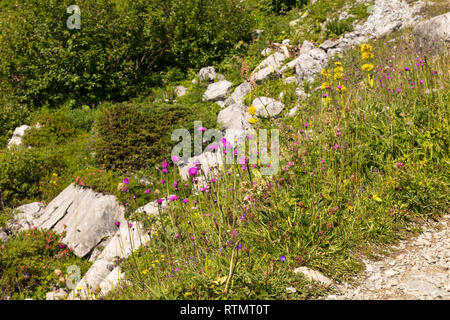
(418, 268)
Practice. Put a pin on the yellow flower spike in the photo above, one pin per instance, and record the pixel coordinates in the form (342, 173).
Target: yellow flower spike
(325, 85)
(367, 55)
(338, 70)
(366, 47)
(367, 67)
(338, 76)
(325, 73)
(252, 110)
(338, 64)
(253, 120)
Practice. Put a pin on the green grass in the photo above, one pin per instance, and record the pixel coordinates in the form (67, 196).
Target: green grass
(369, 166)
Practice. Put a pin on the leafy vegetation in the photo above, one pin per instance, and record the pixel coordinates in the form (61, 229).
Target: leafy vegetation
(32, 264)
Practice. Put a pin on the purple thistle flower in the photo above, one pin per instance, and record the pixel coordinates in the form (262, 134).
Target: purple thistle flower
(173, 198)
(163, 181)
(126, 181)
(147, 191)
(193, 171)
(117, 224)
(175, 159)
(165, 164)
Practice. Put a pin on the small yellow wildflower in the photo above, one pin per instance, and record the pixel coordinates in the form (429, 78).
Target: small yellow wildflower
(338, 69)
(338, 64)
(325, 73)
(145, 271)
(367, 67)
(367, 55)
(325, 85)
(252, 110)
(253, 120)
(366, 47)
(338, 76)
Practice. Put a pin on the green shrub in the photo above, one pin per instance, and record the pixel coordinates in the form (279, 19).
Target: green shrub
(120, 50)
(136, 136)
(20, 172)
(55, 129)
(336, 27)
(28, 262)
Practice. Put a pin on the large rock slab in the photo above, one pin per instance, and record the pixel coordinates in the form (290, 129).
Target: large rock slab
(87, 217)
(433, 32)
(267, 107)
(217, 91)
(129, 237)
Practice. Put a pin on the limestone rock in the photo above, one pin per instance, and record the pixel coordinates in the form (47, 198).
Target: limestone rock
(239, 94)
(267, 107)
(86, 216)
(180, 91)
(25, 218)
(234, 117)
(217, 91)
(269, 67)
(313, 275)
(433, 32)
(59, 294)
(18, 134)
(207, 74)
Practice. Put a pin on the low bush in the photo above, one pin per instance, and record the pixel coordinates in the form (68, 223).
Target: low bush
(132, 137)
(35, 262)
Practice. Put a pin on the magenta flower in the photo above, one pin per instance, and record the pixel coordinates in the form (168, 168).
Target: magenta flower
(164, 170)
(163, 181)
(117, 224)
(173, 198)
(165, 164)
(193, 171)
(130, 225)
(147, 191)
(305, 124)
(160, 201)
(400, 165)
(175, 159)
(185, 200)
(202, 129)
(213, 146)
(126, 181)
(336, 147)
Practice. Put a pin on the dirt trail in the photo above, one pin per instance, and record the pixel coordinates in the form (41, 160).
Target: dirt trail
(418, 268)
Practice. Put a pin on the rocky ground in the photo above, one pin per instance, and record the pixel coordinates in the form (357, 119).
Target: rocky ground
(417, 268)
